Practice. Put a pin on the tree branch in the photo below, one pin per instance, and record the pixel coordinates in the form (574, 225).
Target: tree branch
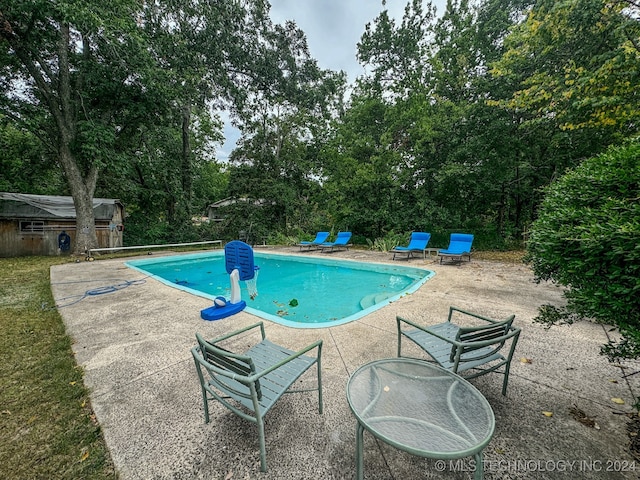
(34, 65)
(633, 3)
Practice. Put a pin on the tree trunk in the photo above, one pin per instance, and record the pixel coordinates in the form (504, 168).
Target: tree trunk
(82, 187)
(501, 211)
(55, 88)
(82, 192)
(86, 237)
(186, 159)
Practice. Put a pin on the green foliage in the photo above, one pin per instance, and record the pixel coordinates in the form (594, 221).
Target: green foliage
(578, 62)
(278, 238)
(141, 229)
(397, 54)
(458, 125)
(24, 165)
(386, 243)
(587, 238)
(210, 184)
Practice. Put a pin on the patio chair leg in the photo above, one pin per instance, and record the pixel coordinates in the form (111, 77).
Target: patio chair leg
(319, 384)
(205, 402)
(263, 448)
(505, 381)
(399, 340)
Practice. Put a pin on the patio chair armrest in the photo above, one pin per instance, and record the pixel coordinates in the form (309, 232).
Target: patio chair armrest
(238, 332)
(474, 315)
(298, 353)
(450, 340)
(400, 320)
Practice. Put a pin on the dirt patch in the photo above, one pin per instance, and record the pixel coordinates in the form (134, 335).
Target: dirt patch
(633, 428)
(583, 418)
(505, 257)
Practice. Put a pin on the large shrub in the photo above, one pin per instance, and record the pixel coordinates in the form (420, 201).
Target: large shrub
(587, 238)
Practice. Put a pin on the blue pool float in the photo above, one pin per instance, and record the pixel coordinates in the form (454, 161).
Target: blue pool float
(216, 312)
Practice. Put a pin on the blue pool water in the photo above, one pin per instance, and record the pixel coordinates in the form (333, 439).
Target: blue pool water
(303, 292)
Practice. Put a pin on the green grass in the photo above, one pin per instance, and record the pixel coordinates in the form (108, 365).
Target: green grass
(47, 426)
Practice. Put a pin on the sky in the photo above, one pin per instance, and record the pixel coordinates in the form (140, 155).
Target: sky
(333, 29)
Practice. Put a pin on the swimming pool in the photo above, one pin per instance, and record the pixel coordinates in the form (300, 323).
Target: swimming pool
(301, 292)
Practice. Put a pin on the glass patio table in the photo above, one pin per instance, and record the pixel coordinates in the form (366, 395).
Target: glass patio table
(419, 408)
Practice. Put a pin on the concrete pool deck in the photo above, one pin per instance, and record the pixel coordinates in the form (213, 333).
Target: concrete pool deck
(134, 346)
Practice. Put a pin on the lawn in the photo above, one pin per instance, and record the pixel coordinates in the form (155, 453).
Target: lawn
(47, 427)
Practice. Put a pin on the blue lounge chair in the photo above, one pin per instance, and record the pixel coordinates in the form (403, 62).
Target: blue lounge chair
(417, 243)
(341, 241)
(321, 237)
(459, 246)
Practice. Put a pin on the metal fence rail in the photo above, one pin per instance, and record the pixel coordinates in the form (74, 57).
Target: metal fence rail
(144, 247)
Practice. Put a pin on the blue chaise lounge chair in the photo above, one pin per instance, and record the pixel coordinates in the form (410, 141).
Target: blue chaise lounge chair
(459, 246)
(418, 243)
(341, 241)
(321, 237)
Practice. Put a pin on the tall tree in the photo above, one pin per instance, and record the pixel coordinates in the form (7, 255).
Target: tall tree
(577, 62)
(132, 86)
(210, 48)
(283, 121)
(69, 71)
(372, 166)
(448, 153)
(482, 161)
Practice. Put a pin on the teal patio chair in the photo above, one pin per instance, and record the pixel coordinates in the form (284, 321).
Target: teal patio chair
(341, 241)
(417, 243)
(459, 246)
(476, 347)
(249, 384)
(321, 237)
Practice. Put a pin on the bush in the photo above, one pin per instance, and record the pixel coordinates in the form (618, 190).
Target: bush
(389, 241)
(587, 238)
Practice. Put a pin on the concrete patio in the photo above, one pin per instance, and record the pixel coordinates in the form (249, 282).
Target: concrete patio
(134, 345)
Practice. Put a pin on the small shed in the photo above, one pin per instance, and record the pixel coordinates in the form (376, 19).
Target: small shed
(46, 224)
(216, 210)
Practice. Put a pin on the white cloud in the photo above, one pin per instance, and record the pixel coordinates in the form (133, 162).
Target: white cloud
(333, 29)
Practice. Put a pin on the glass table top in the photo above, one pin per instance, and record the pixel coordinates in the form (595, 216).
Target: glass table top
(420, 408)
